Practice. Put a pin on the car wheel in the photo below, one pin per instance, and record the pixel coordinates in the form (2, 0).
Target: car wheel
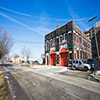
(86, 68)
(74, 67)
(92, 69)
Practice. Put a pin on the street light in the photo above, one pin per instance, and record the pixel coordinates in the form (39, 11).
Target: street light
(92, 19)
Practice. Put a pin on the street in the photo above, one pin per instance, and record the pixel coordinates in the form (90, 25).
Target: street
(48, 83)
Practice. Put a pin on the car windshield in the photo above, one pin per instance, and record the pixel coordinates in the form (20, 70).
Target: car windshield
(81, 62)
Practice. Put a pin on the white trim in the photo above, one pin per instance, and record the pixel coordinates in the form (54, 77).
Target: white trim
(47, 54)
(57, 53)
(69, 32)
(77, 48)
(53, 48)
(57, 37)
(70, 51)
(74, 31)
(60, 35)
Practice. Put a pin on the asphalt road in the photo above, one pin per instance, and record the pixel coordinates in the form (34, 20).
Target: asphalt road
(46, 83)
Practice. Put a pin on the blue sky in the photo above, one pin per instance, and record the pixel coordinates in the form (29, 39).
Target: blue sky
(29, 20)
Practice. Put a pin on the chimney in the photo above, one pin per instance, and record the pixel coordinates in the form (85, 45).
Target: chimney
(58, 26)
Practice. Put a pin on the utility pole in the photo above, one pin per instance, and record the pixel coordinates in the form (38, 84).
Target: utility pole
(92, 19)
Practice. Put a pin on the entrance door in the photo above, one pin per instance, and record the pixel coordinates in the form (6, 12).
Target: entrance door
(47, 61)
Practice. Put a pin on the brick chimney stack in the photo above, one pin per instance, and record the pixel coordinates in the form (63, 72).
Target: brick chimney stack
(58, 26)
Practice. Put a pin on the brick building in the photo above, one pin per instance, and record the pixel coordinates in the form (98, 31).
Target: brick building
(65, 44)
(90, 34)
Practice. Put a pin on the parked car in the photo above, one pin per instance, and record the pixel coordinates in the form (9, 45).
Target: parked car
(79, 64)
(91, 63)
(36, 62)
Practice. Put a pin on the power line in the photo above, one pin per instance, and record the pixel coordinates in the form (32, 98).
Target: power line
(26, 42)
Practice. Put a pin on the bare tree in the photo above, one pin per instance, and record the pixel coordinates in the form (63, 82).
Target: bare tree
(26, 52)
(15, 57)
(5, 43)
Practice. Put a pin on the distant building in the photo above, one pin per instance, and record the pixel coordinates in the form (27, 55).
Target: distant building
(98, 24)
(43, 58)
(21, 59)
(90, 34)
(65, 44)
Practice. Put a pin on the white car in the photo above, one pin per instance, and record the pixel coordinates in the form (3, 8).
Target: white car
(79, 64)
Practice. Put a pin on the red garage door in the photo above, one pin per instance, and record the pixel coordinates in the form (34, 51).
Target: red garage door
(53, 58)
(63, 57)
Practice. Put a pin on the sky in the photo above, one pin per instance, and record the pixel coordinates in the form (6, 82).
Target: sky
(28, 21)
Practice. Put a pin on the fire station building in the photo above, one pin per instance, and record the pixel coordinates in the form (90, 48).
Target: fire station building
(65, 44)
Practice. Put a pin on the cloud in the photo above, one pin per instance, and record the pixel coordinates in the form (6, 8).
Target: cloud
(29, 15)
(20, 23)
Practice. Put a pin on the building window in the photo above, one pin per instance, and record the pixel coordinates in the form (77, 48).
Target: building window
(47, 46)
(80, 40)
(74, 36)
(77, 54)
(65, 36)
(74, 26)
(57, 42)
(51, 43)
(69, 26)
(70, 36)
(56, 33)
(81, 54)
(77, 38)
(62, 30)
(74, 55)
(54, 41)
(60, 39)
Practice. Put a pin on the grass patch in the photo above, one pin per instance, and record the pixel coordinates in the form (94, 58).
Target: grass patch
(4, 91)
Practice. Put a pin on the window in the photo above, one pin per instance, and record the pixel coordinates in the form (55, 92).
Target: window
(80, 63)
(57, 42)
(60, 39)
(74, 36)
(70, 36)
(54, 41)
(81, 54)
(76, 62)
(78, 54)
(77, 38)
(56, 33)
(74, 55)
(65, 36)
(51, 43)
(69, 26)
(62, 30)
(47, 46)
(74, 26)
(80, 40)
